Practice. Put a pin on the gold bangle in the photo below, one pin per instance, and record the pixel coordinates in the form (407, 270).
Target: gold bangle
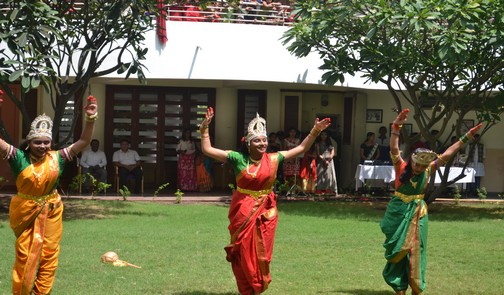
(315, 132)
(205, 136)
(91, 118)
(395, 133)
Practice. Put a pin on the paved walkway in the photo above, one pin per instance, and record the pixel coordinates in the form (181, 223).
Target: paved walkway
(225, 197)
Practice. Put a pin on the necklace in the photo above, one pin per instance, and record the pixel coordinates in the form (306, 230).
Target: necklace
(413, 183)
(255, 161)
(38, 175)
(253, 174)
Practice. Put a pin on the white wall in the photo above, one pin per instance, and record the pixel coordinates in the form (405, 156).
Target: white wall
(220, 51)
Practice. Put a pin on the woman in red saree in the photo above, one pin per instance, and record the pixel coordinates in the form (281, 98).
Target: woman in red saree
(36, 210)
(186, 168)
(253, 213)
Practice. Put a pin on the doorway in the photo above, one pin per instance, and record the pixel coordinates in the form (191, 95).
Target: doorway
(153, 119)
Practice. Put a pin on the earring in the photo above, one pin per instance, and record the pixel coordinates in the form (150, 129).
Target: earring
(27, 147)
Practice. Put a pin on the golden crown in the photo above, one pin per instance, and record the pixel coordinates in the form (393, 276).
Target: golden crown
(256, 128)
(40, 127)
(424, 156)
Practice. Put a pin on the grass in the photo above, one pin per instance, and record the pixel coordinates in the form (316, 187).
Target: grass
(320, 248)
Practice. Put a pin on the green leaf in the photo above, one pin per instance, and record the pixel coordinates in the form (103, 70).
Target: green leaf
(371, 33)
(15, 75)
(22, 39)
(35, 82)
(25, 82)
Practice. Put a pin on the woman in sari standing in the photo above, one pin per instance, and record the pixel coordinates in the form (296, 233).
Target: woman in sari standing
(36, 210)
(308, 172)
(291, 166)
(406, 218)
(253, 213)
(186, 167)
(326, 173)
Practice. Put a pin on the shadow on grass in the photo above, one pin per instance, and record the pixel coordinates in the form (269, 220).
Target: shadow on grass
(465, 212)
(374, 211)
(360, 210)
(356, 292)
(203, 293)
(366, 211)
(78, 209)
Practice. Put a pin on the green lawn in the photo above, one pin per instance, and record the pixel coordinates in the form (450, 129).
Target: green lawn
(320, 248)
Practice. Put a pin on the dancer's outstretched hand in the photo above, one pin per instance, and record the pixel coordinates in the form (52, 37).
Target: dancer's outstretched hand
(208, 117)
(322, 124)
(475, 129)
(402, 117)
(91, 108)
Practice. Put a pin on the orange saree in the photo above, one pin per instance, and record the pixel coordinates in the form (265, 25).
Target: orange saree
(253, 219)
(36, 219)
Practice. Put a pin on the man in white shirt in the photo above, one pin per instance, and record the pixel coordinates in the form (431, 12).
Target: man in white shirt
(94, 162)
(128, 163)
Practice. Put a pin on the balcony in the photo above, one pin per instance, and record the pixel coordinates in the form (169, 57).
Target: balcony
(263, 13)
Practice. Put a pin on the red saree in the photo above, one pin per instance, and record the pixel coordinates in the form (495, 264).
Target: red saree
(253, 219)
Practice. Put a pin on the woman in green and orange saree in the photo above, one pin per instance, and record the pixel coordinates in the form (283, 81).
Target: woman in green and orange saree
(36, 210)
(253, 214)
(406, 218)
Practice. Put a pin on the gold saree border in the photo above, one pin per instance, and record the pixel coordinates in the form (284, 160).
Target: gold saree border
(255, 194)
(411, 245)
(40, 200)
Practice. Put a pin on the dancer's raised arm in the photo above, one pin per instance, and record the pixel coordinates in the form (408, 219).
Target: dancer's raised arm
(91, 114)
(395, 132)
(453, 149)
(305, 145)
(206, 144)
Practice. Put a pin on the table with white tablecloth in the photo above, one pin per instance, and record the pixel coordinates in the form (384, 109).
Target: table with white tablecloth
(387, 173)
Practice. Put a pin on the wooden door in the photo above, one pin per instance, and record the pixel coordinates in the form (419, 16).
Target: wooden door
(153, 119)
(250, 103)
(291, 112)
(10, 118)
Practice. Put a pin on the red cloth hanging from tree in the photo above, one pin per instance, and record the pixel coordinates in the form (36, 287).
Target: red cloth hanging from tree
(161, 23)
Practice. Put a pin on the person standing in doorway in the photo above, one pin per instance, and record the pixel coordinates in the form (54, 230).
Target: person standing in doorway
(186, 166)
(476, 160)
(326, 174)
(291, 167)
